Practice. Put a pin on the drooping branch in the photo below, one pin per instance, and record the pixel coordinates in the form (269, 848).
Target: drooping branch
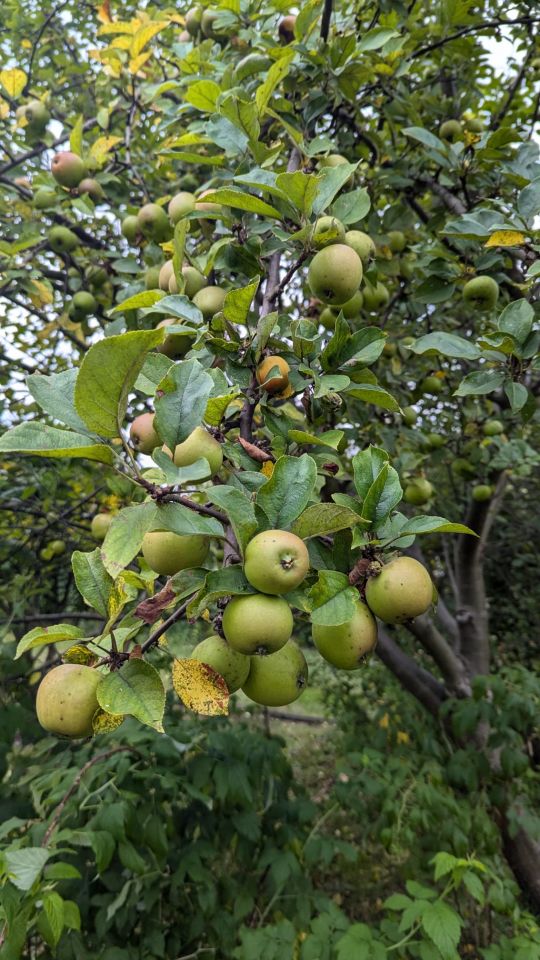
(451, 666)
(477, 28)
(422, 684)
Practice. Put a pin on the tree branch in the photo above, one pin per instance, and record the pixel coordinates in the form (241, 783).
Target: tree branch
(422, 684)
(451, 666)
(325, 21)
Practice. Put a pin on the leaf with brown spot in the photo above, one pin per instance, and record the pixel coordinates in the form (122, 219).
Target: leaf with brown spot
(252, 451)
(151, 609)
(103, 722)
(200, 688)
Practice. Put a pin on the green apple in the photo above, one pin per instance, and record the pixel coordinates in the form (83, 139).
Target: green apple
(335, 273)
(231, 665)
(181, 204)
(83, 304)
(193, 280)
(351, 309)
(482, 492)
(328, 318)
(346, 644)
(418, 492)
(362, 244)
(58, 547)
(151, 278)
(276, 561)
(481, 292)
(279, 678)
(67, 168)
(451, 130)
(130, 228)
(165, 274)
(166, 553)
(199, 444)
(192, 21)
(44, 198)
(327, 230)
(492, 428)
(410, 416)
(432, 385)
(473, 124)
(396, 241)
(209, 300)
(175, 344)
(153, 223)
(36, 115)
(402, 591)
(66, 700)
(375, 297)
(100, 524)
(93, 188)
(257, 623)
(62, 239)
(462, 467)
(143, 434)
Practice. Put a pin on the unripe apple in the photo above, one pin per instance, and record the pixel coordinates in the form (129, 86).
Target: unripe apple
(199, 444)
(473, 124)
(130, 228)
(492, 428)
(410, 416)
(66, 700)
(181, 204)
(435, 441)
(332, 160)
(250, 65)
(402, 591)
(193, 280)
(451, 130)
(278, 381)
(62, 239)
(432, 385)
(153, 222)
(396, 241)
(286, 28)
(231, 665)
(36, 115)
(362, 244)
(407, 266)
(209, 300)
(166, 553)
(100, 525)
(67, 168)
(328, 318)
(44, 198)
(276, 561)
(327, 230)
(481, 292)
(462, 467)
(165, 274)
(375, 297)
(257, 623)
(208, 20)
(175, 344)
(96, 276)
(143, 434)
(335, 273)
(346, 644)
(481, 492)
(193, 21)
(58, 547)
(418, 492)
(278, 679)
(83, 304)
(351, 309)
(94, 189)
(151, 278)
(390, 348)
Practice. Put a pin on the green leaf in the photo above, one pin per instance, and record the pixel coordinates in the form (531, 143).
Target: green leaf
(367, 464)
(216, 407)
(277, 72)
(331, 180)
(155, 367)
(480, 382)
(238, 301)
(76, 136)
(265, 325)
(353, 206)
(106, 377)
(384, 494)
(53, 906)
(364, 347)
(125, 536)
(443, 927)
(184, 521)
(24, 866)
(375, 394)
(324, 518)
(178, 306)
(329, 438)
(203, 95)
(517, 395)
(447, 344)
(231, 197)
(181, 404)
(445, 863)
(433, 525)
(240, 510)
(72, 915)
(225, 582)
(40, 440)
(529, 200)
(425, 137)
(288, 491)
(136, 689)
(434, 290)
(56, 396)
(517, 319)
(40, 636)
(146, 298)
(300, 189)
(92, 580)
(198, 470)
(375, 39)
(332, 598)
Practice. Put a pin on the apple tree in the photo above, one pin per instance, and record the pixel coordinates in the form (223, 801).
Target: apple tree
(273, 279)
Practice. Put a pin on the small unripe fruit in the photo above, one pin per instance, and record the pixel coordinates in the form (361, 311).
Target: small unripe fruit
(44, 198)
(193, 281)
(351, 309)
(257, 623)
(153, 222)
(434, 441)
(462, 467)
(328, 318)
(492, 428)
(57, 547)
(165, 274)
(167, 553)
(481, 492)
(361, 243)
(276, 382)
(333, 160)
(83, 304)
(209, 300)
(231, 665)
(142, 433)
(199, 444)
(481, 292)
(432, 385)
(66, 700)
(451, 130)
(96, 276)
(36, 115)
(335, 273)
(402, 591)
(276, 561)
(327, 230)
(346, 644)
(100, 524)
(375, 297)
(286, 28)
(396, 241)
(151, 278)
(410, 416)
(175, 344)
(418, 492)
(92, 188)
(130, 228)
(67, 168)
(473, 124)
(62, 239)
(181, 204)
(193, 21)
(278, 679)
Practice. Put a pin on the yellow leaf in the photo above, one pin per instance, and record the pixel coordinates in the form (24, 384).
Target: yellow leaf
(403, 736)
(144, 35)
(505, 238)
(78, 654)
(104, 722)
(4, 109)
(26, 45)
(13, 81)
(104, 12)
(101, 147)
(384, 722)
(267, 468)
(119, 26)
(287, 392)
(42, 295)
(121, 43)
(200, 688)
(136, 64)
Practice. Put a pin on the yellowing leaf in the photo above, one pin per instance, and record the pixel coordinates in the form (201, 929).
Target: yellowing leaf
(138, 62)
(104, 12)
(121, 43)
(384, 722)
(4, 109)
(101, 147)
(78, 654)
(13, 81)
(120, 26)
(267, 469)
(403, 736)
(505, 238)
(26, 45)
(144, 35)
(104, 722)
(40, 294)
(200, 688)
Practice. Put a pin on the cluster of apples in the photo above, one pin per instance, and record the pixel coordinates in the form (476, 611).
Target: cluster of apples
(454, 129)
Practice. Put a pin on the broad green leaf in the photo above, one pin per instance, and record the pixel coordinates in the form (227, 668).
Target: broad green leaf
(324, 518)
(125, 536)
(277, 72)
(480, 382)
(92, 580)
(146, 298)
(367, 464)
(106, 377)
(517, 395)
(24, 866)
(329, 438)
(216, 407)
(384, 494)
(40, 440)
(330, 182)
(198, 470)
(375, 39)
(182, 520)
(353, 206)
(418, 525)
(265, 325)
(375, 394)
(443, 926)
(203, 95)
(365, 346)
(56, 396)
(447, 344)
(179, 306)
(240, 510)
(231, 197)
(426, 137)
(529, 200)
(136, 689)
(182, 399)
(155, 367)
(517, 319)
(286, 494)
(40, 636)
(76, 136)
(238, 301)
(225, 582)
(300, 189)
(53, 906)
(333, 600)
